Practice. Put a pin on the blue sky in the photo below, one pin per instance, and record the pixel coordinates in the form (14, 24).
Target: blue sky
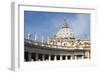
(46, 24)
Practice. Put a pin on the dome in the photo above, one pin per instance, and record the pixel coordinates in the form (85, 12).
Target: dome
(65, 31)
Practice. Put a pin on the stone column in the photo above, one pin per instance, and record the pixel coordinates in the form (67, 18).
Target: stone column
(65, 57)
(61, 57)
(36, 57)
(32, 60)
(87, 54)
(49, 57)
(75, 57)
(55, 57)
(29, 56)
(82, 56)
(43, 57)
(71, 57)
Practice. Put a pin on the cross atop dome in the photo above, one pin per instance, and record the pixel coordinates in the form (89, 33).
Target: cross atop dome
(65, 24)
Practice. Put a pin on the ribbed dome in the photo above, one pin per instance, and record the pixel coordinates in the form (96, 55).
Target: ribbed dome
(65, 31)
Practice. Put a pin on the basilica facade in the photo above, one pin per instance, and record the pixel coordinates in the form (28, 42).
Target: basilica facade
(65, 38)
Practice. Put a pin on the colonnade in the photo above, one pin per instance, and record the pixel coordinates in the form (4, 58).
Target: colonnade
(49, 57)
